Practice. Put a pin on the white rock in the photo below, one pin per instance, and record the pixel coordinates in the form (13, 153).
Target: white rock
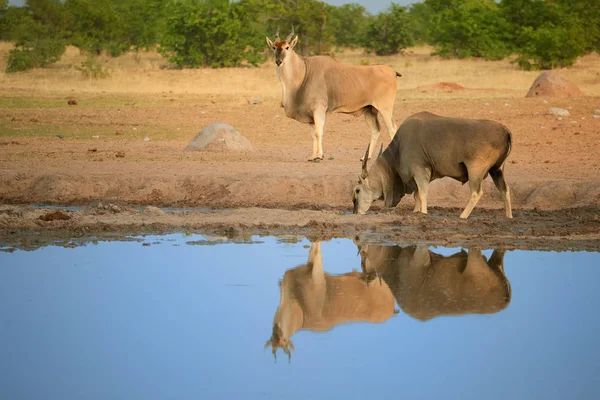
(146, 139)
(558, 111)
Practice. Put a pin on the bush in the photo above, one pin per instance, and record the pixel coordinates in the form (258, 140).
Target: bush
(550, 34)
(470, 29)
(550, 47)
(389, 32)
(211, 33)
(43, 53)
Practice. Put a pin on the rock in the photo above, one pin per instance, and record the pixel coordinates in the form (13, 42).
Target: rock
(72, 102)
(550, 84)
(219, 137)
(255, 101)
(151, 210)
(558, 111)
(146, 139)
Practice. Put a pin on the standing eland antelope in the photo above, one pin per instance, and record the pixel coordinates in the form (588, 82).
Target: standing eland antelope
(428, 285)
(312, 87)
(314, 300)
(428, 147)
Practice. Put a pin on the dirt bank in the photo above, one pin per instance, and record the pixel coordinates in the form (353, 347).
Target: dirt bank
(568, 229)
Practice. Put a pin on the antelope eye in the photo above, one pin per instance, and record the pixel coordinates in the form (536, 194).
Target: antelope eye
(357, 190)
(287, 48)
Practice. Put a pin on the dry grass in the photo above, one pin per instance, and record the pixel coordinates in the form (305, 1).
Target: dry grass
(138, 75)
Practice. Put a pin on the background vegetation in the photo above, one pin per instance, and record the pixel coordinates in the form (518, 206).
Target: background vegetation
(542, 34)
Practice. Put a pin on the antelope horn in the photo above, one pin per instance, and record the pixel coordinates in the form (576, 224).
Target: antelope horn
(289, 37)
(380, 151)
(364, 164)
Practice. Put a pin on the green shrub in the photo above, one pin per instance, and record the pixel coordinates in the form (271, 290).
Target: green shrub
(213, 33)
(389, 32)
(550, 47)
(43, 53)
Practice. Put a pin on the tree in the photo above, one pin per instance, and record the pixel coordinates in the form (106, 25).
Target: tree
(212, 33)
(38, 36)
(469, 28)
(550, 34)
(389, 32)
(349, 24)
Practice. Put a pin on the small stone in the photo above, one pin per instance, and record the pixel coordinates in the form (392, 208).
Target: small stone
(559, 118)
(151, 210)
(146, 139)
(95, 136)
(558, 111)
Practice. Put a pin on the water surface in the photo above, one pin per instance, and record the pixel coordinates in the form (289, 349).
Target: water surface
(180, 321)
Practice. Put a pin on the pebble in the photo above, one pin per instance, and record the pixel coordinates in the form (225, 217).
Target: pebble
(558, 111)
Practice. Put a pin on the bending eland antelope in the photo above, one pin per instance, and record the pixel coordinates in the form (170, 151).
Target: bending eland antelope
(312, 87)
(428, 285)
(427, 147)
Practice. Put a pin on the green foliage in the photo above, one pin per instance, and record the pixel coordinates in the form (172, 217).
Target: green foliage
(212, 33)
(389, 32)
(10, 20)
(550, 47)
(45, 52)
(37, 37)
(463, 28)
(550, 34)
(348, 25)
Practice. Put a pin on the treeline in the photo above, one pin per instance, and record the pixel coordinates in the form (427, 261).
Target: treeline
(543, 34)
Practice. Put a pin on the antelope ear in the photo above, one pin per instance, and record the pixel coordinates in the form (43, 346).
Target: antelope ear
(270, 43)
(294, 42)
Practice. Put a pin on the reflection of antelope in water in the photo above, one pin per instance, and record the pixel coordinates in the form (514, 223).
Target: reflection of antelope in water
(314, 300)
(427, 285)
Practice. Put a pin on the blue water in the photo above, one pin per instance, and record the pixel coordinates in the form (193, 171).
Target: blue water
(119, 320)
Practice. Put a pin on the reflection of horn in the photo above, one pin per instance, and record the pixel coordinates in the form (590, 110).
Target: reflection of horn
(274, 346)
(364, 165)
(289, 37)
(277, 33)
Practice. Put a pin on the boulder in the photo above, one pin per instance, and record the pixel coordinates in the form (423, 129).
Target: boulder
(550, 84)
(219, 137)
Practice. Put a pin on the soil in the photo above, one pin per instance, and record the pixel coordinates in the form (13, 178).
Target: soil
(553, 172)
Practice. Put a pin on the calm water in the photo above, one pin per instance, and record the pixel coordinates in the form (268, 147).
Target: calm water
(119, 320)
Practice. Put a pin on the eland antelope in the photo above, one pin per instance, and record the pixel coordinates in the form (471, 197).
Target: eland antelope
(427, 285)
(312, 87)
(314, 300)
(427, 147)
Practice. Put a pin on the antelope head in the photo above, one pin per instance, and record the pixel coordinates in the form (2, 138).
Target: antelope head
(282, 47)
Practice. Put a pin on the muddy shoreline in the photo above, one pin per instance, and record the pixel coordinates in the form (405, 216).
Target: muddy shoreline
(28, 228)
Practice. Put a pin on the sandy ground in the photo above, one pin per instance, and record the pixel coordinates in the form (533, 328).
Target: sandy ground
(101, 155)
